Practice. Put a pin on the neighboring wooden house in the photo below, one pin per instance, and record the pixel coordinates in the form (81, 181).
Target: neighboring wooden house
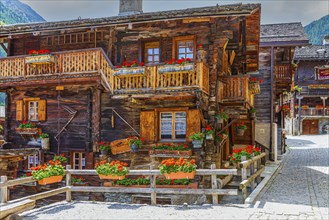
(312, 76)
(277, 46)
(80, 98)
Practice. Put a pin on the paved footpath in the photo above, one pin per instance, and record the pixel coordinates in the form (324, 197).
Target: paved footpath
(299, 190)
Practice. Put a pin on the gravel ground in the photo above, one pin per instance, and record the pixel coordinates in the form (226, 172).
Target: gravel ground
(299, 190)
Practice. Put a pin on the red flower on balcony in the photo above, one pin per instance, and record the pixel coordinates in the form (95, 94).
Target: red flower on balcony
(38, 52)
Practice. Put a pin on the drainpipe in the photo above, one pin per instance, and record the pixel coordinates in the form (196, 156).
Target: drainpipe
(271, 98)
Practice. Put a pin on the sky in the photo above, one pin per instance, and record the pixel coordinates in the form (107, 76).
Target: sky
(273, 11)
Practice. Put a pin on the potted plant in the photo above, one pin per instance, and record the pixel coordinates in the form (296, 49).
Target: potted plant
(27, 128)
(44, 141)
(209, 133)
(113, 170)
(252, 112)
(79, 181)
(129, 67)
(52, 172)
(174, 65)
(285, 108)
(254, 85)
(240, 128)
(42, 56)
(197, 139)
(221, 117)
(171, 149)
(135, 143)
(61, 158)
(178, 169)
(243, 154)
(104, 147)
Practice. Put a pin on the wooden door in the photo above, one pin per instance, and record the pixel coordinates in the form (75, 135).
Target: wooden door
(311, 127)
(147, 126)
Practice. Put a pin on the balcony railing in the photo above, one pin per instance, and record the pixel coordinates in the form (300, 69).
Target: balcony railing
(94, 61)
(314, 112)
(283, 72)
(236, 88)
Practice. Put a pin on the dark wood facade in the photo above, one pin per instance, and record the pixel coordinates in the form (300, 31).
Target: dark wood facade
(111, 107)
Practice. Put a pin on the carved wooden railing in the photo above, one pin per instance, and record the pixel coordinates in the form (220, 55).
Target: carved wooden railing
(283, 72)
(236, 89)
(94, 60)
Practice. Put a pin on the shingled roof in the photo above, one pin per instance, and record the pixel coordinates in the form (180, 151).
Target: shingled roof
(283, 33)
(312, 53)
(219, 10)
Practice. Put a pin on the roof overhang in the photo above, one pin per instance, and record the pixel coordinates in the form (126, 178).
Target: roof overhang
(284, 43)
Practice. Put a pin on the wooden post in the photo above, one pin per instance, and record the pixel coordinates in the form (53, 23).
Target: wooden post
(4, 190)
(244, 177)
(153, 194)
(68, 183)
(214, 184)
(258, 179)
(252, 171)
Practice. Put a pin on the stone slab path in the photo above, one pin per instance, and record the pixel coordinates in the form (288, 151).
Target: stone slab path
(299, 190)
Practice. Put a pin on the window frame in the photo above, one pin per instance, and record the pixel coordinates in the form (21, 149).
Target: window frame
(73, 163)
(173, 123)
(151, 45)
(176, 40)
(36, 161)
(35, 108)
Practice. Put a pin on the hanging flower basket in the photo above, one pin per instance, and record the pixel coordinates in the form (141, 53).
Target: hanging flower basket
(254, 88)
(179, 175)
(49, 180)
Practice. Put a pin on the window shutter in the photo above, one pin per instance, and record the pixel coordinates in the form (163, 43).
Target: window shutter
(192, 123)
(147, 126)
(19, 110)
(89, 160)
(42, 110)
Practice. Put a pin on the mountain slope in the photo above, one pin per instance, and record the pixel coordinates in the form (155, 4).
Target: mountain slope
(317, 30)
(14, 11)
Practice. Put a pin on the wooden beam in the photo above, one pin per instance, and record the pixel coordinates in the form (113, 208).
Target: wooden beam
(15, 208)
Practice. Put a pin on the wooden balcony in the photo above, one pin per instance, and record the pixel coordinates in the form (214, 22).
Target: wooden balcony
(283, 72)
(314, 112)
(89, 63)
(236, 90)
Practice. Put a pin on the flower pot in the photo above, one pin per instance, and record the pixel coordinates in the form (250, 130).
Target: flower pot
(220, 120)
(239, 132)
(45, 144)
(49, 180)
(111, 177)
(179, 175)
(197, 143)
(104, 152)
(171, 152)
(134, 148)
(253, 115)
(201, 55)
(243, 158)
(209, 137)
(40, 59)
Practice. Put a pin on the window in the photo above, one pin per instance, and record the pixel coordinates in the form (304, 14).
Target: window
(33, 110)
(184, 47)
(33, 161)
(78, 160)
(152, 52)
(172, 125)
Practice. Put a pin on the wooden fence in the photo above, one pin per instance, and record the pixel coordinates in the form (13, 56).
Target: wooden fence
(28, 202)
(255, 170)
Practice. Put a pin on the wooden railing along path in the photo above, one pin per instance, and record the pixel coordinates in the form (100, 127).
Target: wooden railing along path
(18, 205)
(255, 170)
(89, 61)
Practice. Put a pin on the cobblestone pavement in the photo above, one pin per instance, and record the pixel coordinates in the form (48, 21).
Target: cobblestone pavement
(299, 190)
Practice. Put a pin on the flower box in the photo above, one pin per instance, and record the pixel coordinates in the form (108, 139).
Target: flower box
(176, 68)
(129, 71)
(49, 180)
(171, 152)
(179, 175)
(111, 177)
(27, 130)
(40, 59)
(254, 88)
(189, 186)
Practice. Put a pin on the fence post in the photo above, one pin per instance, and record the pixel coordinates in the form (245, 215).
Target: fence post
(244, 177)
(258, 179)
(4, 190)
(153, 194)
(252, 171)
(214, 184)
(68, 183)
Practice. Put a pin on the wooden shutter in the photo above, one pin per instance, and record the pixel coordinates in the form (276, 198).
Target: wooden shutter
(89, 160)
(42, 110)
(147, 126)
(192, 123)
(19, 110)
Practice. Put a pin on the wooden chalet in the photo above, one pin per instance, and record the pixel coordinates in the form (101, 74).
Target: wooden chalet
(80, 97)
(311, 111)
(277, 47)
